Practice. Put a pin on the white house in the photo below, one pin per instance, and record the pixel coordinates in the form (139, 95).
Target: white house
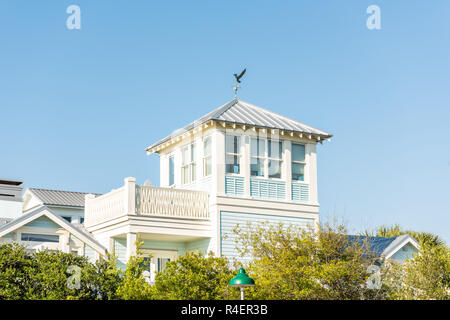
(52, 220)
(237, 163)
(10, 199)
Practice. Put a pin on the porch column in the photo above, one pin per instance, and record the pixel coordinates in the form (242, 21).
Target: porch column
(131, 245)
(130, 195)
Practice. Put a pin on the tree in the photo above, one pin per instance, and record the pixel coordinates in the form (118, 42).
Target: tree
(133, 285)
(426, 276)
(424, 238)
(54, 275)
(295, 263)
(16, 266)
(195, 277)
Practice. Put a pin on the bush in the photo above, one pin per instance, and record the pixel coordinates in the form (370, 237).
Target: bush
(195, 277)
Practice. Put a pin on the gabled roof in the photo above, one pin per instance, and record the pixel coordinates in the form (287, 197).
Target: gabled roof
(59, 198)
(243, 113)
(384, 246)
(42, 211)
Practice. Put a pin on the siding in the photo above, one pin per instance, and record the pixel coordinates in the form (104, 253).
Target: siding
(120, 251)
(165, 245)
(300, 192)
(228, 220)
(89, 253)
(403, 255)
(234, 186)
(200, 245)
(43, 222)
(266, 189)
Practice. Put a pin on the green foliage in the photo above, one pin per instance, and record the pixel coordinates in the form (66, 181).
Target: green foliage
(16, 268)
(133, 285)
(424, 238)
(426, 276)
(44, 275)
(293, 263)
(194, 276)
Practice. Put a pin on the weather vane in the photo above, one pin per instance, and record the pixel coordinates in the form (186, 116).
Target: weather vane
(238, 80)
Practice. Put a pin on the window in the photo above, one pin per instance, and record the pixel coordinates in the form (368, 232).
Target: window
(188, 164)
(298, 162)
(171, 171)
(232, 154)
(266, 151)
(161, 264)
(207, 162)
(258, 154)
(39, 237)
(275, 152)
(81, 220)
(67, 218)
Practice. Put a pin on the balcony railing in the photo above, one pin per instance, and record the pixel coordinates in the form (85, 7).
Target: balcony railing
(132, 199)
(170, 202)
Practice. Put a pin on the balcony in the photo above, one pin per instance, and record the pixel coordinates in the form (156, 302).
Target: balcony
(136, 201)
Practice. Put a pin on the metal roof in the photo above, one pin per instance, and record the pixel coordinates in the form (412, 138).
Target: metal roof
(376, 245)
(244, 113)
(82, 234)
(60, 198)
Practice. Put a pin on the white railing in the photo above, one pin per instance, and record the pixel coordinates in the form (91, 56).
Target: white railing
(169, 202)
(132, 199)
(105, 207)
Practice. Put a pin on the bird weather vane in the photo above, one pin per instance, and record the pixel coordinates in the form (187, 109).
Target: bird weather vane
(238, 80)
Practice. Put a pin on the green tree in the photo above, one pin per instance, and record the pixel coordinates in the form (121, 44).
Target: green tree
(425, 276)
(294, 263)
(134, 285)
(424, 238)
(195, 277)
(16, 267)
(46, 275)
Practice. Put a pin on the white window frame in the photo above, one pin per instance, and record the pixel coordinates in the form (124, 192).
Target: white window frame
(298, 162)
(190, 166)
(207, 157)
(239, 154)
(168, 165)
(265, 158)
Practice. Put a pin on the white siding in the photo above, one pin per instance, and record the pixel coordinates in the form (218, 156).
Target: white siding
(229, 220)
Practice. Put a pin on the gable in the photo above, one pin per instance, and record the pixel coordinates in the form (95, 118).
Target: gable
(43, 222)
(405, 252)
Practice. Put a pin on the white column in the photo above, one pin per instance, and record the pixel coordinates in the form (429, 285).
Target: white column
(89, 219)
(131, 245)
(130, 195)
(245, 163)
(218, 159)
(287, 168)
(311, 178)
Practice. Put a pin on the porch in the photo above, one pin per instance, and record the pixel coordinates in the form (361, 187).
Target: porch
(170, 222)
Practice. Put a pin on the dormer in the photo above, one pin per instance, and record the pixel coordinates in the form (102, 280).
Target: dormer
(242, 150)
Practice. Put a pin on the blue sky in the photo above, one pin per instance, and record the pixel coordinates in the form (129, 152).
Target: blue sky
(78, 107)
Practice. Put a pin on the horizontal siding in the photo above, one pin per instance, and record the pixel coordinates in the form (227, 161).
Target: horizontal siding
(229, 220)
(234, 186)
(43, 222)
(120, 251)
(89, 253)
(266, 189)
(300, 192)
(198, 245)
(180, 247)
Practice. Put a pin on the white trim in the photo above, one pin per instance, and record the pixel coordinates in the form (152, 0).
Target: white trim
(44, 211)
(399, 243)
